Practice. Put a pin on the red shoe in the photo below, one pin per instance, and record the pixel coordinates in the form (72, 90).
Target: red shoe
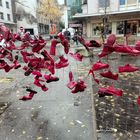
(93, 43)
(106, 51)
(127, 68)
(114, 91)
(71, 76)
(37, 73)
(37, 82)
(23, 46)
(50, 67)
(91, 72)
(63, 59)
(110, 75)
(99, 65)
(76, 56)
(79, 87)
(83, 42)
(65, 43)
(61, 36)
(44, 88)
(28, 71)
(7, 68)
(24, 56)
(39, 47)
(110, 90)
(28, 97)
(126, 49)
(60, 65)
(32, 91)
(47, 56)
(16, 64)
(71, 84)
(137, 45)
(49, 78)
(111, 39)
(102, 92)
(54, 42)
(138, 100)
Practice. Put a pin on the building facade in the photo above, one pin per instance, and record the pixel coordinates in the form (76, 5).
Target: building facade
(26, 16)
(7, 14)
(73, 7)
(121, 17)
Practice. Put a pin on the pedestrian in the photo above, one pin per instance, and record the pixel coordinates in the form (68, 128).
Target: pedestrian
(67, 35)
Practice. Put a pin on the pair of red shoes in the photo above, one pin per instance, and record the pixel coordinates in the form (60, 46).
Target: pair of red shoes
(109, 91)
(49, 78)
(127, 68)
(79, 87)
(76, 56)
(62, 63)
(37, 83)
(54, 42)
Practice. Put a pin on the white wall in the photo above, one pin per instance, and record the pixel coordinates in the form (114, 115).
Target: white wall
(92, 6)
(114, 5)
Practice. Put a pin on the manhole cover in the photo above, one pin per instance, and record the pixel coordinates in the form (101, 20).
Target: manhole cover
(6, 79)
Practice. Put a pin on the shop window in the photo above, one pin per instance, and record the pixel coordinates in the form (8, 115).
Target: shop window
(97, 29)
(132, 27)
(120, 27)
(129, 2)
(122, 2)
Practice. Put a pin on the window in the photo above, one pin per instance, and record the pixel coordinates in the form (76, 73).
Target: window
(122, 2)
(104, 3)
(0, 2)
(120, 27)
(8, 17)
(7, 4)
(131, 2)
(84, 1)
(1, 15)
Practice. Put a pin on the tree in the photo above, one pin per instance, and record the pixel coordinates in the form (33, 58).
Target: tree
(50, 9)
